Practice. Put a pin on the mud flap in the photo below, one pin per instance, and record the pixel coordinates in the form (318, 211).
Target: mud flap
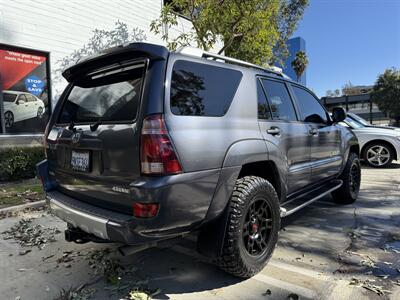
(42, 169)
(212, 236)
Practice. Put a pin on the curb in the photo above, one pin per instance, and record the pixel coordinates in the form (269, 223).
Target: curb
(22, 206)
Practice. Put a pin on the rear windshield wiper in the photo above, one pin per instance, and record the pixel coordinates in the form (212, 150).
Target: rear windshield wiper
(93, 127)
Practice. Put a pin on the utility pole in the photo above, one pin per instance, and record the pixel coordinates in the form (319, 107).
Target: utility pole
(370, 109)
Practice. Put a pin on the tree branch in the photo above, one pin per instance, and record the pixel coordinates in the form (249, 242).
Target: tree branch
(199, 34)
(233, 36)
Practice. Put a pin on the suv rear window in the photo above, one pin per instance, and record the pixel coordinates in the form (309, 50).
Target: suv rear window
(202, 90)
(109, 98)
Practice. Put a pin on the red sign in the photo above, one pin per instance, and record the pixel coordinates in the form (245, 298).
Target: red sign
(25, 89)
(16, 65)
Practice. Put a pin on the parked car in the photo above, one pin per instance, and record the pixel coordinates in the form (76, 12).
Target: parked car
(146, 145)
(20, 106)
(379, 145)
(364, 122)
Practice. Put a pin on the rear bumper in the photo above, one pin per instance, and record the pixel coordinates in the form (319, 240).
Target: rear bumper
(186, 201)
(89, 223)
(104, 224)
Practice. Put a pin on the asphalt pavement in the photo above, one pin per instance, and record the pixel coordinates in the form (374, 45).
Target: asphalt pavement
(325, 251)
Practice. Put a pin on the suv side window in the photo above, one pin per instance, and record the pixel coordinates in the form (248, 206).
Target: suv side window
(311, 110)
(264, 111)
(281, 104)
(202, 90)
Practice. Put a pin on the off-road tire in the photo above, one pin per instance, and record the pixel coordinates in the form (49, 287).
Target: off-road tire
(348, 193)
(235, 258)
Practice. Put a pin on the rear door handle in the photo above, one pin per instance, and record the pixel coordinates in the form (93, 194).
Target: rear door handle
(274, 130)
(313, 131)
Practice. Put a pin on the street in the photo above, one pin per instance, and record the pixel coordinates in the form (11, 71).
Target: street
(325, 251)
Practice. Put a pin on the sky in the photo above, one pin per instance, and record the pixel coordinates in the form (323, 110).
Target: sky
(349, 40)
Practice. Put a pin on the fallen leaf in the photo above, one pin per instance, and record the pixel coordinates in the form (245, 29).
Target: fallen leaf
(267, 293)
(23, 252)
(293, 296)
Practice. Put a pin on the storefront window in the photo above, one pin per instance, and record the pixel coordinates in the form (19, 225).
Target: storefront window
(25, 97)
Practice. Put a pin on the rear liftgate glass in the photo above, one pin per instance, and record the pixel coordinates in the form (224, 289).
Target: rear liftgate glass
(97, 153)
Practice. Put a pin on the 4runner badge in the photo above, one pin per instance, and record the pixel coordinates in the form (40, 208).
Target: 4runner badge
(120, 190)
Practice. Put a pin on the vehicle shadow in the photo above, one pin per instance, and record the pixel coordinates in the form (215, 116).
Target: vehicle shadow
(178, 269)
(345, 234)
(323, 229)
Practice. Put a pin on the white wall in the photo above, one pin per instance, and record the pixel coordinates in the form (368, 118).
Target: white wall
(61, 26)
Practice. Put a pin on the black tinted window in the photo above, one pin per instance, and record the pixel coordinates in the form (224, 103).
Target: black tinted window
(263, 106)
(280, 101)
(106, 99)
(9, 97)
(310, 108)
(202, 90)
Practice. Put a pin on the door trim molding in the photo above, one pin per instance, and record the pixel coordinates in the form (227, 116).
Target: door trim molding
(313, 164)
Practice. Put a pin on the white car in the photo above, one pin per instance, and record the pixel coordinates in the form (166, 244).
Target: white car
(19, 106)
(364, 122)
(379, 146)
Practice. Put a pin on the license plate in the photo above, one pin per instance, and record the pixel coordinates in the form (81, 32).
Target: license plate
(80, 161)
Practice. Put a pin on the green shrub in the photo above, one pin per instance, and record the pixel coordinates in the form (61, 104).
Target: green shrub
(19, 163)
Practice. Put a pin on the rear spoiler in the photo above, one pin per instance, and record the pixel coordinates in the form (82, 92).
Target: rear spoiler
(114, 55)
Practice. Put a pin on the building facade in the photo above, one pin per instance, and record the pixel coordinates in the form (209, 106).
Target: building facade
(360, 104)
(37, 36)
(295, 45)
(62, 27)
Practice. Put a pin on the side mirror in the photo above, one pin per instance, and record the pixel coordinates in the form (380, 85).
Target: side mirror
(338, 114)
(20, 102)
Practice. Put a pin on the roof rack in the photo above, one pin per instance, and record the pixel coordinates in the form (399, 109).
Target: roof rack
(192, 51)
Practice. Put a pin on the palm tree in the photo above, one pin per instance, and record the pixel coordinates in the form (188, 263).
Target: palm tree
(299, 64)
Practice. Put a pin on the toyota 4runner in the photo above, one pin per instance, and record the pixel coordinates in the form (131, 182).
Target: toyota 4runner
(146, 145)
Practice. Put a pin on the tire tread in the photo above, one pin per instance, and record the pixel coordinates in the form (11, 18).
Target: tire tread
(231, 260)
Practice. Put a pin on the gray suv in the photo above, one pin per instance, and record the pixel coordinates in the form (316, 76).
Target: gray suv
(147, 145)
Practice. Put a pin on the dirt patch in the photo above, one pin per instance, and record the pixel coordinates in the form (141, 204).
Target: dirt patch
(16, 193)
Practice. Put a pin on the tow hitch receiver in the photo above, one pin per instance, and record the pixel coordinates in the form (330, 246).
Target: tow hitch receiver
(80, 237)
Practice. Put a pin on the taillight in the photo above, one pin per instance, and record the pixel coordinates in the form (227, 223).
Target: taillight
(143, 210)
(46, 133)
(157, 154)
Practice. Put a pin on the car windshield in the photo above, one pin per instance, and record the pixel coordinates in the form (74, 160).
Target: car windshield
(353, 123)
(107, 99)
(7, 97)
(359, 119)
